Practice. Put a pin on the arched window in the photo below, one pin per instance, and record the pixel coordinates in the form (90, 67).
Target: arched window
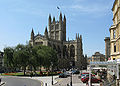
(72, 51)
(59, 50)
(64, 50)
(49, 44)
(54, 47)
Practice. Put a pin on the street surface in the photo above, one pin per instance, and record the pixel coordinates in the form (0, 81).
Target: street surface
(14, 81)
(75, 80)
(65, 81)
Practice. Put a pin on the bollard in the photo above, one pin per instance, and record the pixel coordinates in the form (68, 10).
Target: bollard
(45, 84)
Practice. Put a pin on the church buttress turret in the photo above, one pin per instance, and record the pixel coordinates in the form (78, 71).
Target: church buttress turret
(32, 35)
(46, 32)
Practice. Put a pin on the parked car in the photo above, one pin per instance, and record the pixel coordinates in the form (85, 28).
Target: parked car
(83, 74)
(93, 79)
(67, 73)
(75, 71)
(63, 75)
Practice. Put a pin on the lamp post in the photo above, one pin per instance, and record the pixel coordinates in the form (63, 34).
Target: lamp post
(52, 72)
(71, 74)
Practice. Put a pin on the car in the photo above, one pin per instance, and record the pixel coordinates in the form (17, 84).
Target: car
(75, 71)
(83, 74)
(93, 79)
(63, 75)
(67, 73)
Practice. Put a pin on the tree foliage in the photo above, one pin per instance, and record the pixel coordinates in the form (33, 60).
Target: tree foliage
(22, 56)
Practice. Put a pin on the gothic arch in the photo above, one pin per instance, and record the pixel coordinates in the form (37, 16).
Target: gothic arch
(59, 50)
(49, 44)
(64, 50)
(72, 51)
(54, 47)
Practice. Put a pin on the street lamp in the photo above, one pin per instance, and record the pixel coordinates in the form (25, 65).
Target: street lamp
(52, 72)
(71, 74)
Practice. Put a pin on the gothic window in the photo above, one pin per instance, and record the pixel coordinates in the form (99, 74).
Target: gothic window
(57, 26)
(54, 47)
(114, 31)
(52, 26)
(39, 43)
(64, 50)
(114, 47)
(72, 51)
(57, 35)
(49, 44)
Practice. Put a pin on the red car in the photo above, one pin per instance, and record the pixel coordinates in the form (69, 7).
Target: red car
(93, 79)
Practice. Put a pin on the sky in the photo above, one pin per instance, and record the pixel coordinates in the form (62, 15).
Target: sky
(90, 18)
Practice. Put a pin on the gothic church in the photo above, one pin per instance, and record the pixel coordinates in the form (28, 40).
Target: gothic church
(55, 37)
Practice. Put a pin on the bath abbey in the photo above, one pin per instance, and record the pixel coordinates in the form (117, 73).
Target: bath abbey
(68, 51)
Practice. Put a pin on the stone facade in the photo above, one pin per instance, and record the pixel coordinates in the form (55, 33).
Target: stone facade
(55, 37)
(115, 31)
(107, 48)
(97, 57)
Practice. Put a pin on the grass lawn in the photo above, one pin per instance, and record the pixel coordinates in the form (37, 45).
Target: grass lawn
(13, 74)
(44, 73)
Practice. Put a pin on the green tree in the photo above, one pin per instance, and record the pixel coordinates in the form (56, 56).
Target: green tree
(49, 56)
(21, 55)
(8, 57)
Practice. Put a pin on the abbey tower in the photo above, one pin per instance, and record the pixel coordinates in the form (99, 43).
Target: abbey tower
(55, 37)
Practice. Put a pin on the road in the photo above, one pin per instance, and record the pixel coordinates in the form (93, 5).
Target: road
(65, 81)
(14, 81)
(75, 80)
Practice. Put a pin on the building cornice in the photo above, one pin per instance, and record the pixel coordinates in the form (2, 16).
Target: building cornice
(115, 40)
(115, 54)
(112, 27)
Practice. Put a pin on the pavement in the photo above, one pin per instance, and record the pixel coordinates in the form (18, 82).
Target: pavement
(45, 80)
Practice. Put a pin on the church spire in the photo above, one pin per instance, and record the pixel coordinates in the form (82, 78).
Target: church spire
(49, 19)
(76, 36)
(64, 19)
(81, 37)
(46, 32)
(54, 19)
(32, 35)
(60, 18)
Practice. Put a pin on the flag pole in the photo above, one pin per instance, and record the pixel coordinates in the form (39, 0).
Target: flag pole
(58, 12)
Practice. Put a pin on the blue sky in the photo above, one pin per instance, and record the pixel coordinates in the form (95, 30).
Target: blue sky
(90, 18)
